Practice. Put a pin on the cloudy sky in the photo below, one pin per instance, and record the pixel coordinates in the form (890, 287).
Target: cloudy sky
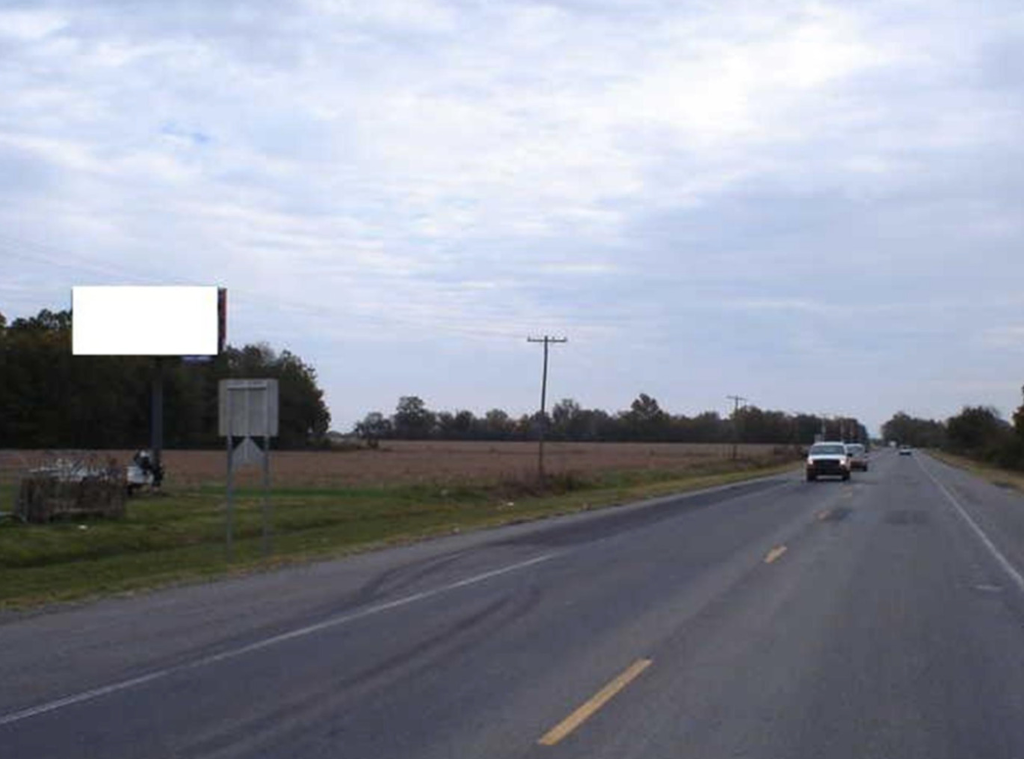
(819, 206)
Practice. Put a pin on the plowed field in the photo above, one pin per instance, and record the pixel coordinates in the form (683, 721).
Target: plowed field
(406, 462)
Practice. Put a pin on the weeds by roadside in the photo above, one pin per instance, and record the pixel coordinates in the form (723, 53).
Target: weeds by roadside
(179, 535)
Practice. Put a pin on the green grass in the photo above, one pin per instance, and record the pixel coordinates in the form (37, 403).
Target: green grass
(1005, 478)
(179, 536)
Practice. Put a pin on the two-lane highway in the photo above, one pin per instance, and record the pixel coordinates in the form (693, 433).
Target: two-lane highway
(881, 617)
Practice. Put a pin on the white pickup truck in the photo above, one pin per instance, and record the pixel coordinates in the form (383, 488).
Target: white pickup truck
(828, 459)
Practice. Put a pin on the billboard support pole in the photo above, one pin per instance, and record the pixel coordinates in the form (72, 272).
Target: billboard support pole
(229, 506)
(156, 442)
(266, 480)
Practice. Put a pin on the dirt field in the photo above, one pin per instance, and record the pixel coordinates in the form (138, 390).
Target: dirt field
(405, 462)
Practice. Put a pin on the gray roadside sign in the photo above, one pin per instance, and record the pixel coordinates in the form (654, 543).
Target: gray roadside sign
(248, 410)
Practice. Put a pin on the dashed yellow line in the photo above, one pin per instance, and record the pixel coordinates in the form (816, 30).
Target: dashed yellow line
(599, 699)
(774, 554)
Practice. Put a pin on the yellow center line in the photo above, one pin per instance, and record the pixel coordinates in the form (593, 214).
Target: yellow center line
(599, 699)
(774, 554)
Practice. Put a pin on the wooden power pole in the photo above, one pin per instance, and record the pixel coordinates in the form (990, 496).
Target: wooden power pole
(735, 422)
(546, 340)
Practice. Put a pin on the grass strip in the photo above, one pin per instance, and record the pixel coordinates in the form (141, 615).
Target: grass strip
(1004, 478)
(179, 537)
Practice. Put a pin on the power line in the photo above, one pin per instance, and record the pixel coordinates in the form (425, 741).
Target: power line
(546, 340)
(71, 262)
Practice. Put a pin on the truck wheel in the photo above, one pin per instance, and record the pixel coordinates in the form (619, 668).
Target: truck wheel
(811, 477)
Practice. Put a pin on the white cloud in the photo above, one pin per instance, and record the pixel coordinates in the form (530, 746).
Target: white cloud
(486, 170)
(1010, 336)
(30, 25)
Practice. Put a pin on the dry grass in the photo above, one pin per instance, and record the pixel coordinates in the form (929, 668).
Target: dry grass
(420, 462)
(329, 504)
(1005, 478)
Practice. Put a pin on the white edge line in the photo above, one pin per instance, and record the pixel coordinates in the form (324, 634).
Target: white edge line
(89, 695)
(996, 553)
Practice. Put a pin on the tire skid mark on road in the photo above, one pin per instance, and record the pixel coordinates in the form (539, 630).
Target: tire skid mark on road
(233, 653)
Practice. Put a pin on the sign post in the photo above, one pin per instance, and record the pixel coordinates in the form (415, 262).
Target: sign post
(248, 409)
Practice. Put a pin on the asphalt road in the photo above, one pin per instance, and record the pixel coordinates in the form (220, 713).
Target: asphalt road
(876, 618)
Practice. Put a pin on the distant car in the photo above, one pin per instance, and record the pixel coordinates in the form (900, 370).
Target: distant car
(858, 456)
(906, 450)
(827, 459)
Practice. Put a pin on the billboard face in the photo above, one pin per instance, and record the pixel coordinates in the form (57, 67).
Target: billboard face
(144, 321)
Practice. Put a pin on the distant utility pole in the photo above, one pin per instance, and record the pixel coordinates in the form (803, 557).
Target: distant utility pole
(543, 396)
(737, 400)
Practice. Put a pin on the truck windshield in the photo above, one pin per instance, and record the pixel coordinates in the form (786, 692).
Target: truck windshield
(819, 450)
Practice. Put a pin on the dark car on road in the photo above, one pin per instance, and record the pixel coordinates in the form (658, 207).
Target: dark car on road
(828, 460)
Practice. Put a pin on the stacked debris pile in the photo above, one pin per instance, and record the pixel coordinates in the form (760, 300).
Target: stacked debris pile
(71, 488)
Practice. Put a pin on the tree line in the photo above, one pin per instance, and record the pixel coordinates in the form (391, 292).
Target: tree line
(979, 432)
(52, 399)
(644, 420)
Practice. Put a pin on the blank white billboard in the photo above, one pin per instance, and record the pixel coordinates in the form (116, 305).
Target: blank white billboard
(144, 321)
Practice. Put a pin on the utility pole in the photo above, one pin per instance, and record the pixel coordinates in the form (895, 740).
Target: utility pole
(543, 397)
(736, 399)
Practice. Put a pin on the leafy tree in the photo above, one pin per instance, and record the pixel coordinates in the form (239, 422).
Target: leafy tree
(498, 425)
(444, 425)
(977, 429)
(921, 433)
(52, 399)
(565, 416)
(375, 426)
(464, 424)
(645, 419)
(412, 419)
(707, 427)
(596, 424)
(304, 418)
(805, 427)
(1018, 419)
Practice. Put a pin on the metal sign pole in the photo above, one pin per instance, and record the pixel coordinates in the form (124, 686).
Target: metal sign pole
(230, 506)
(256, 419)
